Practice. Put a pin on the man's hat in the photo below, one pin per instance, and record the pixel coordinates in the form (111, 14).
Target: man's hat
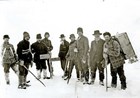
(97, 32)
(6, 36)
(79, 29)
(72, 35)
(38, 36)
(47, 33)
(26, 34)
(62, 36)
(107, 33)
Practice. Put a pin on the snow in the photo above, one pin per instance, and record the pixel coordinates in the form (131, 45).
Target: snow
(64, 16)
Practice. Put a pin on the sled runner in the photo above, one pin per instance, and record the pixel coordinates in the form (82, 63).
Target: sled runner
(127, 47)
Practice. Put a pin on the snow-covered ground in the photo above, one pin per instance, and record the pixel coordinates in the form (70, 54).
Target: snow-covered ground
(64, 16)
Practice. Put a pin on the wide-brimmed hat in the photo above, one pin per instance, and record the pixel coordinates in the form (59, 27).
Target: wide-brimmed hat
(72, 35)
(62, 36)
(97, 32)
(38, 36)
(6, 36)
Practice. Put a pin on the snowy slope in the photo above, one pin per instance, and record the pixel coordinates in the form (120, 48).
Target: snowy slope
(64, 16)
(58, 88)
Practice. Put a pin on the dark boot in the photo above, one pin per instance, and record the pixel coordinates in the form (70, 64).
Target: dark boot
(21, 82)
(86, 77)
(123, 86)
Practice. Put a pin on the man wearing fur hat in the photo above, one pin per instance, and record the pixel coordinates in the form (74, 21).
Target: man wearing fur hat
(96, 57)
(112, 55)
(71, 57)
(9, 58)
(82, 55)
(39, 48)
(64, 47)
(49, 46)
(25, 59)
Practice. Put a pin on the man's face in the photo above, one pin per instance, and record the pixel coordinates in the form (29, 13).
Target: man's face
(80, 33)
(63, 38)
(46, 36)
(107, 38)
(6, 39)
(97, 36)
(27, 38)
(39, 40)
(72, 38)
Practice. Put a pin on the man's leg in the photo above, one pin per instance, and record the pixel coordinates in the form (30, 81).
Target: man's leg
(93, 67)
(21, 77)
(114, 77)
(101, 74)
(6, 71)
(122, 77)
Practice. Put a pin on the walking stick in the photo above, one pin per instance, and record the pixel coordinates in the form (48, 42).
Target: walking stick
(106, 80)
(33, 75)
(106, 76)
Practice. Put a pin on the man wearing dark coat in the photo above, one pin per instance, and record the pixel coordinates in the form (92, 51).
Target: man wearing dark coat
(112, 55)
(82, 55)
(96, 57)
(49, 46)
(25, 59)
(38, 48)
(64, 47)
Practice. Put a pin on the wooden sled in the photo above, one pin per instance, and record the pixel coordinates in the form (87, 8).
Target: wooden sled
(127, 47)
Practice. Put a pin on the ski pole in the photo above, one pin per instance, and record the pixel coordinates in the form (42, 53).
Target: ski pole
(33, 75)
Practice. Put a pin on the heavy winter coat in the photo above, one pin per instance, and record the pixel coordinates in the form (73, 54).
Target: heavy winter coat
(48, 43)
(38, 49)
(8, 53)
(82, 47)
(113, 51)
(23, 51)
(71, 55)
(63, 49)
(96, 51)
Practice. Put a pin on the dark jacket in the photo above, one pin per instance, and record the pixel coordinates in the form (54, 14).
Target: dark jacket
(83, 47)
(63, 49)
(115, 57)
(71, 55)
(38, 49)
(96, 51)
(48, 44)
(23, 51)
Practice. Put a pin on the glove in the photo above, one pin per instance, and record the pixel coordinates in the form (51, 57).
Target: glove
(21, 63)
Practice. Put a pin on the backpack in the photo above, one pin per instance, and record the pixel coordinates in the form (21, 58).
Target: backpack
(121, 50)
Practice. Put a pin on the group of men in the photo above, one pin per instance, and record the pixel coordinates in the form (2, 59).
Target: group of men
(76, 53)
(87, 60)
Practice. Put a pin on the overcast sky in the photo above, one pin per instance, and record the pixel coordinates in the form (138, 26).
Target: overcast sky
(64, 16)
